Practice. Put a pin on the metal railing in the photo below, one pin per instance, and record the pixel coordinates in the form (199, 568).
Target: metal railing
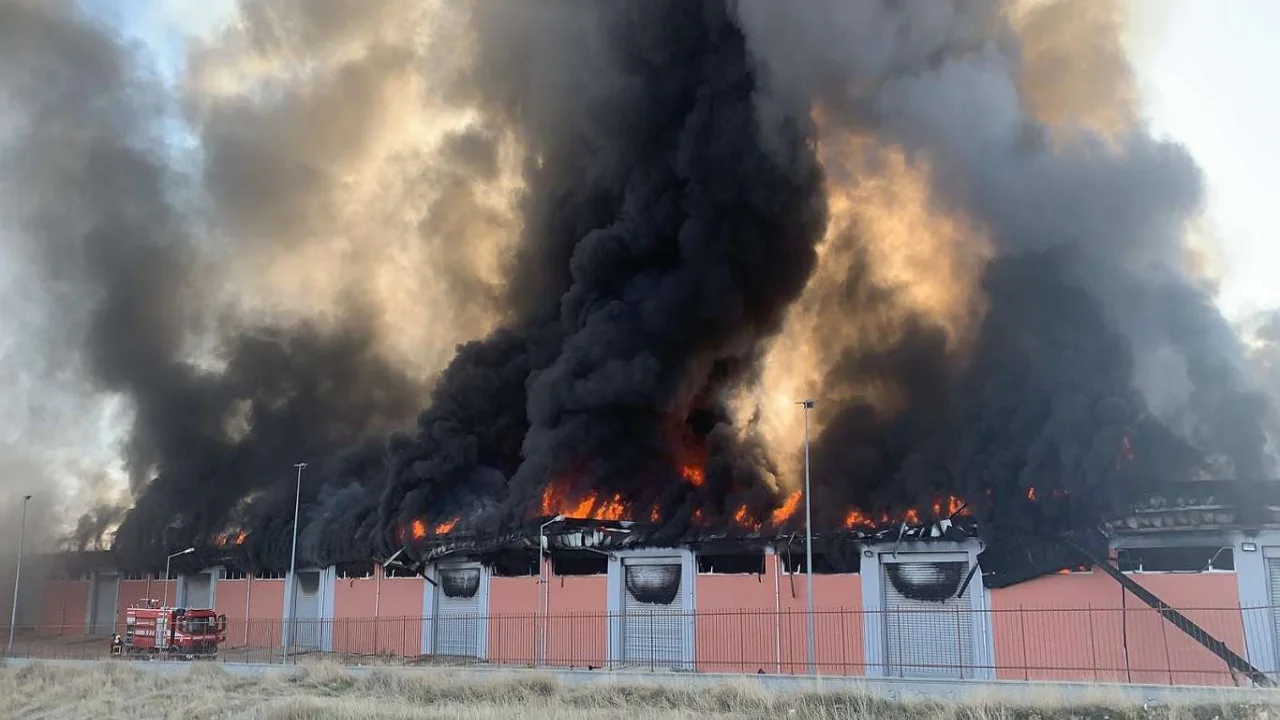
(1103, 645)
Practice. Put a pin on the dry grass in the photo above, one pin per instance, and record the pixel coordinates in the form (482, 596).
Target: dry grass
(117, 690)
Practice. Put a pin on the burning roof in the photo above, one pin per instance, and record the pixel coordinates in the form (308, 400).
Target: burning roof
(1202, 505)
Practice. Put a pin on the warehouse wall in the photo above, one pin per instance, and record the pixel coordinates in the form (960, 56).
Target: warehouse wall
(1076, 627)
(738, 631)
(64, 604)
(577, 625)
(231, 599)
(378, 614)
(513, 629)
(1085, 627)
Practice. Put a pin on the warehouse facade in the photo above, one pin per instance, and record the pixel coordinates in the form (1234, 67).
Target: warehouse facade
(910, 606)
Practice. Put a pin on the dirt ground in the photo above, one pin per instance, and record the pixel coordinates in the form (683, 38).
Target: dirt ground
(325, 692)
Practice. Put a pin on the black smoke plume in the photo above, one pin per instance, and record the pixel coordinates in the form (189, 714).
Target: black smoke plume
(1052, 411)
(676, 161)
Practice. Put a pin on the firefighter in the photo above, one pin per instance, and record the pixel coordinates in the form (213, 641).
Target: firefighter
(117, 644)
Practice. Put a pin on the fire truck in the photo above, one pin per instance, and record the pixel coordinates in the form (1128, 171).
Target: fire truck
(180, 633)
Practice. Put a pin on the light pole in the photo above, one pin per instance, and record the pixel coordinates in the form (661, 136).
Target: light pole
(808, 541)
(545, 581)
(17, 575)
(293, 565)
(168, 560)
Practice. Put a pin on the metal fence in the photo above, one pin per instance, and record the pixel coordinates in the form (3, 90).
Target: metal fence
(1105, 645)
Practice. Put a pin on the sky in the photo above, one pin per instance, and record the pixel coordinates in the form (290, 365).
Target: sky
(1199, 67)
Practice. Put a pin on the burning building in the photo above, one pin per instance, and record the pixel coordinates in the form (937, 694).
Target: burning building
(739, 205)
(902, 600)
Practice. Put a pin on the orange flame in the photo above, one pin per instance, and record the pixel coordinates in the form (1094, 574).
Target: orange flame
(224, 539)
(697, 516)
(655, 515)
(942, 508)
(446, 526)
(954, 506)
(788, 509)
(693, 475)
(419, 529)
(589, 508)
(611, 509)
(743, 517)
(1031, 494)
(1125, 456)
(856, 519)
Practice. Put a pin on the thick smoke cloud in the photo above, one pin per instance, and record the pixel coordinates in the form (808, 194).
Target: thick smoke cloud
(617, 241)
(1085, 218)
(711, 237)
(221, 403)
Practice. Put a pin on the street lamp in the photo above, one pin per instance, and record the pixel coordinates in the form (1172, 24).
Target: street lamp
(545, 582)
(17, 575)
(293, 564)
(808, 541)
(168, 560)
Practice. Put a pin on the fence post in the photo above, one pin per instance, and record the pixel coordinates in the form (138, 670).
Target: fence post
(1022, 624)
(959, 643)
(844, 641)
(652, 647)
(1164, 640)
(1093, 653)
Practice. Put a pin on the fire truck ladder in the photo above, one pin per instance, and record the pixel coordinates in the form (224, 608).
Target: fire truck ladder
(1177, 619)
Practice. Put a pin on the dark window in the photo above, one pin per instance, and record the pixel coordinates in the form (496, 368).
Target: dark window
(269, 575)
(397, 571)
(231, 573)
(1175, 559)
(751, 563)
(822, 565)
(570, 563)
(354, 571)
(515, 564)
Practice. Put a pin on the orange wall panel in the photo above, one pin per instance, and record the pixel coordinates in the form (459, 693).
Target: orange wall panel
(578, 619)
(63, 605)
(354, 625)
(513, 626)
(747, 623)
(266, 608)
(229, 598)
(397, 627)
(735, 628)
(1084, 627)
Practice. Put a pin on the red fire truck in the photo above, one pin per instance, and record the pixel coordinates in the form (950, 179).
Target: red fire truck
(184, 633)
